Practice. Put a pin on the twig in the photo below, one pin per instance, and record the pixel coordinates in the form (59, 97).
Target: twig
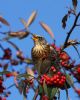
(36, 93)
(77, 24)
(1, 47)
(71, 30)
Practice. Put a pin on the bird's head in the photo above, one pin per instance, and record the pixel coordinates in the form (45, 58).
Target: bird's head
(39, 40)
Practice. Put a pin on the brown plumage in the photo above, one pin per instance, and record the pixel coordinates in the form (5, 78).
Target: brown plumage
(42, 54)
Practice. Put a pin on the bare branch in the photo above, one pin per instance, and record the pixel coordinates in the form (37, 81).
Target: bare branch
(36, 93)
(71, 30)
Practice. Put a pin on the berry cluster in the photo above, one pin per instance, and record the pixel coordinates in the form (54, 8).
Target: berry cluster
(1, 86)
(56, 48)
(64, 60)
(57, 79)
(7, 53)
(64, 57)
(2, 90)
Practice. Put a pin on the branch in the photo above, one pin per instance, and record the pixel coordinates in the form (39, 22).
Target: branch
(71, 30)
(36, 93)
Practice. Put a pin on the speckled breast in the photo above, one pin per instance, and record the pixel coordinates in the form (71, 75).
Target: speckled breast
(40, 51)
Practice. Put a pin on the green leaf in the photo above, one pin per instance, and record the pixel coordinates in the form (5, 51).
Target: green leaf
(23, 75)
(24, 98)
(53, 93)
(4, 72)
(69, 80)
(49, 91)
(40, 89)
(66, 90)
(24, 92)
(21, 86)
(45, 88)
(74, 2)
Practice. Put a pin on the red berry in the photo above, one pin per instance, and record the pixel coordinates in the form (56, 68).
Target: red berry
(63, 77)
(64, 56)
(55, 82)
(41, 82)
(47, 78)
(52, 79)
(9, 74)
(59, 73)
(4, 98)
(52, 68)
(78, 70)
(44, 98)
(0, 82)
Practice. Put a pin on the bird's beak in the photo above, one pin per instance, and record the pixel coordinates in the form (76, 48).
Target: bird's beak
(34, 37)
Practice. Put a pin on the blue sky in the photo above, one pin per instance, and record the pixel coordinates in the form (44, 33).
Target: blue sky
(49, 11)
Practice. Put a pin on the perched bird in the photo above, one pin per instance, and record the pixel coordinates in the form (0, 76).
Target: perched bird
(42, 54)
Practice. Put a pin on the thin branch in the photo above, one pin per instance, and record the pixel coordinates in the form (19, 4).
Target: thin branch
(72, 44)
(1, 47)
(36, 93)
(71, 30)
(77, 24)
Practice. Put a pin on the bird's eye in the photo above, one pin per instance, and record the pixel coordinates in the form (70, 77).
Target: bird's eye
(40, 38)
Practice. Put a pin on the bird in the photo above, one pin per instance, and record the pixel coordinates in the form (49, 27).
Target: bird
(42, 54)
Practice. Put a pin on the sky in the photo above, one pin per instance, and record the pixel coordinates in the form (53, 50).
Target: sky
(48, 11)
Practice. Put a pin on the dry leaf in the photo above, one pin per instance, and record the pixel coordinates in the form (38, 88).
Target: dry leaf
(64, 20)
(2, 20)
(24, 22)
(15, 81)
(20, 35)
(23, 34)
(30, 72)
(47, 29)
(31, 18)
(74, 3)
(13, 34)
